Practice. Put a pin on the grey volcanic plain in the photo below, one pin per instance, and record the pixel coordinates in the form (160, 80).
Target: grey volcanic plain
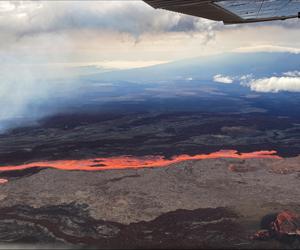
(207, 203)
(193, 204)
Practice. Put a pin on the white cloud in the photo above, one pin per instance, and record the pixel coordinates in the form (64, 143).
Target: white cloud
(267, 48)
(223, 79)
(275, 84)
(128, 30)
(246, 77)
(82, 31)
(294, 73)
(133, 17)
(288, 81)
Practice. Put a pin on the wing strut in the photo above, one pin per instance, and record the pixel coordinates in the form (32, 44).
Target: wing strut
(233, 11)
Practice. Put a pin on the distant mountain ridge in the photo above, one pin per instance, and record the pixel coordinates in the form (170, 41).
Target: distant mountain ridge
(204, 68)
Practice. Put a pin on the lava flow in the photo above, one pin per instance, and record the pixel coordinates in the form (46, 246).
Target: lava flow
(130, 162)
(3, 181)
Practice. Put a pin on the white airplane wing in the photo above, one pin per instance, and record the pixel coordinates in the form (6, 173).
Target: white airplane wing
(233, 11)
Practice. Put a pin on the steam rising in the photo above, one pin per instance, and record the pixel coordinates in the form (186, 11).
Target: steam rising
(18, 89)
(25, 91)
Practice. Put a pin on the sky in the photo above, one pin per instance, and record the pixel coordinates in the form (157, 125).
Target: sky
(44, 40)
(125, 34)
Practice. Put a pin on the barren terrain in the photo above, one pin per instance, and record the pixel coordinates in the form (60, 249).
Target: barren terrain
(204, 203)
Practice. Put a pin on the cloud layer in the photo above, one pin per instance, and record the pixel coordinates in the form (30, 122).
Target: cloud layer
(223, 79)
(95, 30)
(135, 18)
(288, 82)
(276, 84)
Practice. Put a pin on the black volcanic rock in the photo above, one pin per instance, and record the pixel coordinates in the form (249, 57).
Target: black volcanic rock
(71, 224)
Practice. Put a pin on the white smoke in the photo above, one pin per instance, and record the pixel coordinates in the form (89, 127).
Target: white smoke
(18, 89)
(25, 88)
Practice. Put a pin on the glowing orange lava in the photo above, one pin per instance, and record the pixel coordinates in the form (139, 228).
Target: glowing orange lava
(130, 162)
(3, 181)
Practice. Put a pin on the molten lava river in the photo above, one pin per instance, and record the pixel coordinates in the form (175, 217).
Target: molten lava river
(130, 162)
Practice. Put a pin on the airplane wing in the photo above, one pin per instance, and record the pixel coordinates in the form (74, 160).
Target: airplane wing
(233, 11)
